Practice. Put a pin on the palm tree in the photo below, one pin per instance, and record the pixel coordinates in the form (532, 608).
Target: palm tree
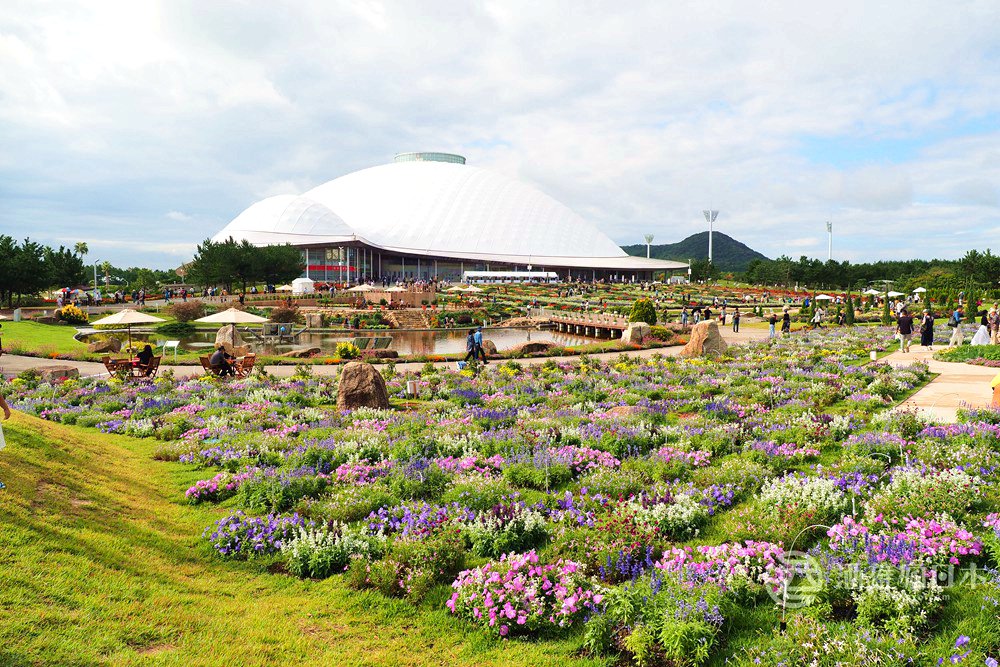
(80, 248)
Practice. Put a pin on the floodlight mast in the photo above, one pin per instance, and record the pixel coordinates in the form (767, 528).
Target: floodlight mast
(710, 217)
(649, 240)
(829, 247)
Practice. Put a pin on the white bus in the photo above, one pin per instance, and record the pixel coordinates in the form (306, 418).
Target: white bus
(509, 277)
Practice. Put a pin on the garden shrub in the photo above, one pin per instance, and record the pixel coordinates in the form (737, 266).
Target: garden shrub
(659, 619)
(643, 311)
(346, 350)
(412, 567)
(528, 476)
(504, 528)
(185, 311)
(180, 329)
(70, 314)
(284, 315)
(321, 552)
(518, 595)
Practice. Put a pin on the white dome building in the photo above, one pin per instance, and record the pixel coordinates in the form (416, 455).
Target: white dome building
(429, 215)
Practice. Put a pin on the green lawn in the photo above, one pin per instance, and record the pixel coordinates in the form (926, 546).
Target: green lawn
(41, 339)
(101, 565)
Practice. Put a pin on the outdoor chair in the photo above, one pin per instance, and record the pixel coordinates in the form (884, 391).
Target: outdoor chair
(206, 363)
(245, 365)
(148, 371)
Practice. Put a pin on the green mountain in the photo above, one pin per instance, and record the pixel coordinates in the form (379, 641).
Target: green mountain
(728, 253)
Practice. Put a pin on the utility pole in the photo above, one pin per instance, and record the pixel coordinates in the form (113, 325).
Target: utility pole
(829, 248)
(710, 217)
(649, 239)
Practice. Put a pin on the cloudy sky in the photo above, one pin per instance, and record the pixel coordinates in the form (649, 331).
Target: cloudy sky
(144, 127)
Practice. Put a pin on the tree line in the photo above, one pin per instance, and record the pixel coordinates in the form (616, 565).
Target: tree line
(233, 263)
(975, 271)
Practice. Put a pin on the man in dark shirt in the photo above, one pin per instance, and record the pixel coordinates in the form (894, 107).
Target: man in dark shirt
(904, 328)
(220, 360)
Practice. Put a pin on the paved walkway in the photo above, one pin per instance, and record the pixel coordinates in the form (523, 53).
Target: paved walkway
(956, 386)
(11, 365)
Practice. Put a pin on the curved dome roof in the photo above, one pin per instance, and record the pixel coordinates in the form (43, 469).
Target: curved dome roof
(455, 208)
(285, 219)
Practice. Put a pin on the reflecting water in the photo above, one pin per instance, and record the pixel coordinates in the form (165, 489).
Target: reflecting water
(404, 342)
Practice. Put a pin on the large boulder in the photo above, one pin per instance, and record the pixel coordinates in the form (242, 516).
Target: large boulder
(229, 337)
(54, 373)
(533, 347)
(705, 339)
(314, 320)
(635, 332)
(108, 345)
(301, 353)
(361, 386)
(489, 347)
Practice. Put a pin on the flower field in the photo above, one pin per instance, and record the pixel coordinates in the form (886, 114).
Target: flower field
(645, 507)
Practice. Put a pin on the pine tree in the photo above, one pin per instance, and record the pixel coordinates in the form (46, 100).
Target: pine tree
(849, 315)
(927, 300)
(886, 317)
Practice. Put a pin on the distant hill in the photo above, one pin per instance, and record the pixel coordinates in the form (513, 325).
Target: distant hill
(728, 253)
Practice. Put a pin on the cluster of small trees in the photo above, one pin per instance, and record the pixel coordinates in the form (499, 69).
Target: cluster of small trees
(28, 267)
(230, 263)
(975, 268)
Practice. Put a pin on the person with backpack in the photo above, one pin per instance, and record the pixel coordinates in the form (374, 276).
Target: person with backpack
(470, 345)
(955, 322)
(904, 329)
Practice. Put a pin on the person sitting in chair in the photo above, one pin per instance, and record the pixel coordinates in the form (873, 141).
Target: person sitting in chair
(222, 361)
(145, 356)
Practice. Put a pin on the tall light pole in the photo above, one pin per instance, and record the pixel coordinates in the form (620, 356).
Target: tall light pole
(710, 217)
(829, 247)
(649, 239)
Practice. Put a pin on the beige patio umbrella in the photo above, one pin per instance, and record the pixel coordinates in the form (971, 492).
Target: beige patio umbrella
(396, 288)
(232, 316)
(824, 297)
(362, 288)
(457, 288)
(472, 288)
(127, 317)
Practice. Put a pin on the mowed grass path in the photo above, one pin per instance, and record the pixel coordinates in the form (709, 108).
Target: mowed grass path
(101, 564)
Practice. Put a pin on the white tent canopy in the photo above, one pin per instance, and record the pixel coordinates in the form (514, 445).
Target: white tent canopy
(872, 292)
(919, 290)
(303, 286)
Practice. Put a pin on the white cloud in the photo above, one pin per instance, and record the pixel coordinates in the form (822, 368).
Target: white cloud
(637, 119)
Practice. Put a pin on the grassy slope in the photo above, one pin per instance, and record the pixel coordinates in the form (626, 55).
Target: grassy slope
(42, 339)
(101, 564)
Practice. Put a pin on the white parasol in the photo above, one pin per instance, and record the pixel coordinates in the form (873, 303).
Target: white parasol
(824, 297)
(396, 288)
(362, 288)
(895, 294)
(127, 317)
(919, 290)
(872, 292)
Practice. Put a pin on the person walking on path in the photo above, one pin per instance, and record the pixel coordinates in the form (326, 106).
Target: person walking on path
(470, 345)
(957, 337)
(927, 329)
(786, 322)
(736, 320)
(771, 321)
(684, 316)
(478, 348)
(817, 320)
(904, 328)
(993, 322)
